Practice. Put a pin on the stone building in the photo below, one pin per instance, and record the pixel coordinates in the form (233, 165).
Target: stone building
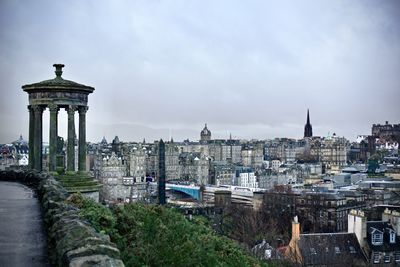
(172, 167)
(222, 173)
(319, 212)
(331, 151)
(334, 152)
(386, 131)
(137, 163)
(193, 147)
(324, 249)
(253, 155)
(194, 168)
(14, 154)
(152, 161)
(275, 149)
(325, 212)
(379, 237)
(362, 149)
(245, 177)
(225, 150)
(112, 173)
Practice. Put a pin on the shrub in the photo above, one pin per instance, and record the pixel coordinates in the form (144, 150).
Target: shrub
(150, 235)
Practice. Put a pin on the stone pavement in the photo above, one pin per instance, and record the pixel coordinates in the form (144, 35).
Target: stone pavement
(22, 236)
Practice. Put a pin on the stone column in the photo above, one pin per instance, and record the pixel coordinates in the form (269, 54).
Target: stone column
(37, 143)
(31, 137)
(82, 138)
(71, 139)
(53, 137)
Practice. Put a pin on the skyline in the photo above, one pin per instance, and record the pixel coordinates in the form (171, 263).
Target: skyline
(247, 69)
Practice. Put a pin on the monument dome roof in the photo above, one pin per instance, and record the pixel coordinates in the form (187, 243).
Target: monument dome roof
(58, 83)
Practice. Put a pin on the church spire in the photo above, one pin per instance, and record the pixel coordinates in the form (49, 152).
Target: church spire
(308, 127)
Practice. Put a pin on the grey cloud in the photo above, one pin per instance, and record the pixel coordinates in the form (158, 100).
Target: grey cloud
(252, 67)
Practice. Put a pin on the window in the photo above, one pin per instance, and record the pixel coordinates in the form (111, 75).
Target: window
(337, 250)
(313, 252)
(397, 256)
(392, 238)
(377, 238)
(386, 258)
(375, 257)
(352, 250)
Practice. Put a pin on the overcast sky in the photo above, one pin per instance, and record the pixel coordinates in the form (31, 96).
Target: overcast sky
(250, 68)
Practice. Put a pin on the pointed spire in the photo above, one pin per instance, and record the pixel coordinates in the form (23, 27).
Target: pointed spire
(308, 127)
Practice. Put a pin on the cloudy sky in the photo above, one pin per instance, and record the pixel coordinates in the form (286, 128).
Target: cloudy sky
(250, 68)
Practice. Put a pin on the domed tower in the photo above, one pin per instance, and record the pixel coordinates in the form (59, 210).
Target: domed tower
(205, 134)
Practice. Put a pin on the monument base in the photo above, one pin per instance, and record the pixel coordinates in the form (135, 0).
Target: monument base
(81, 182)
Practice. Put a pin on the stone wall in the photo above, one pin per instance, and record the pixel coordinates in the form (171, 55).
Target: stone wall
(71, 241)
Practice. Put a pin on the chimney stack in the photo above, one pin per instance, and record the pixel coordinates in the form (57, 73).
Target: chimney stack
(295, 228)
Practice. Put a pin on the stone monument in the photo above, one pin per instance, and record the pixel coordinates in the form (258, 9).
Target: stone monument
(55, 94)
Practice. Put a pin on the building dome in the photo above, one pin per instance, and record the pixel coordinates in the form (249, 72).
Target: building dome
(205, 134)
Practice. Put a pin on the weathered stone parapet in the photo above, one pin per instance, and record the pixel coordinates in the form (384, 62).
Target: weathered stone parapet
(71, 241)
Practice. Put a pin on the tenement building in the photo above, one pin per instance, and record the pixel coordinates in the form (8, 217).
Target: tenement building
(386, 131)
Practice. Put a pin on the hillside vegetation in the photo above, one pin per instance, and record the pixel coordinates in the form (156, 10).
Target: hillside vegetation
(150, 235)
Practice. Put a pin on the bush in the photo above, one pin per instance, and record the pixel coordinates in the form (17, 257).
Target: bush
(149, 235)
(99, 216)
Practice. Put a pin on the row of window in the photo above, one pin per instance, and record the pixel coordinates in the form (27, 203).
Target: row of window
(377, 257)
(352, 250)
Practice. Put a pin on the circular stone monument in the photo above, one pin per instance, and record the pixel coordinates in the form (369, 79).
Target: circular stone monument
(55, 94)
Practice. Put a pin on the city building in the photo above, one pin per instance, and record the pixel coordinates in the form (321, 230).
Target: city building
(137, 163)
(324, 249)
(114, 187)
(386, 131)
(222, 173)
(379, 237)
(245, 177)
(252, 155)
